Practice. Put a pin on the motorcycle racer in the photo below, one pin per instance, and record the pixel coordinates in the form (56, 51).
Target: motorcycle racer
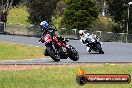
(84, 36)
(56, 46)
(46, 29)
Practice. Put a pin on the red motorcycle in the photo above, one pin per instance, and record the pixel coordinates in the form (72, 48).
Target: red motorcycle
(57, 48)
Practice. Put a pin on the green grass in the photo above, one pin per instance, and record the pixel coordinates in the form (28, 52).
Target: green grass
(18, 15)
(59, 77)
(12, 51)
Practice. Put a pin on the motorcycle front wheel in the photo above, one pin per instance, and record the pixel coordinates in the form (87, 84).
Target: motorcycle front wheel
(73, 54)
(53, 54)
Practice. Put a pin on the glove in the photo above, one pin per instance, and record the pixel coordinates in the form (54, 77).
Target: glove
(41, 40)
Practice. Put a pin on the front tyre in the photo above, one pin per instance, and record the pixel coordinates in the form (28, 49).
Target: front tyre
(73, 54)
(53, 54)
(100, 49)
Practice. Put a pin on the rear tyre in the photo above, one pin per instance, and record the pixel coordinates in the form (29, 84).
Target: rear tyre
(54, 55)
(100, 49)
(89, 50)
(101, 52)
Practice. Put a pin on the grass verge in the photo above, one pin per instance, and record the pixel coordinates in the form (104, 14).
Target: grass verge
(59, 76)
(12, 51)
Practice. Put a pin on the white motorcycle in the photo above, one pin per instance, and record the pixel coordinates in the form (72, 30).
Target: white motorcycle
(94, 44)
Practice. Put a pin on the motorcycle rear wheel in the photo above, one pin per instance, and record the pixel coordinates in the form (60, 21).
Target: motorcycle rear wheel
(100, 49)
(101, 52)
(53, 55)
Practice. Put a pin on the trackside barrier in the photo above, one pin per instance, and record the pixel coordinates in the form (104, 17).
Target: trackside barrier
(33, 30)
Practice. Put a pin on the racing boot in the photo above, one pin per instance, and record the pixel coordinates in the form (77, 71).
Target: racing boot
(46, 53)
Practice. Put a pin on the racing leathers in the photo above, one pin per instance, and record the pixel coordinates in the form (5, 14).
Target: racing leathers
(84, 37)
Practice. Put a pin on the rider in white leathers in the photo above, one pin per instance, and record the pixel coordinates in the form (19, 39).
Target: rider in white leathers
(84, 36)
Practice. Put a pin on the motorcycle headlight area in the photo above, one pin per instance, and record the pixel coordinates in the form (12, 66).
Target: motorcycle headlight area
(92, 40)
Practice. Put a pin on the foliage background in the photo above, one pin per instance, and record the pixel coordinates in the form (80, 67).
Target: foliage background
(79, 14)
(40, 10)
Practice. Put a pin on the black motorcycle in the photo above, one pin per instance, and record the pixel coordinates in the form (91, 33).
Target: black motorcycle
(94, 45)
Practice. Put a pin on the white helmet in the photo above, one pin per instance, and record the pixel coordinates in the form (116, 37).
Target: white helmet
(81, 32)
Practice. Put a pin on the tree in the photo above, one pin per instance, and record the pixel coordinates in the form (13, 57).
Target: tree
(16, 2)
(40, 10)
(60, 7)
(79, 14)
(104, 24)
(58, 13)
(5, 6)
(118, 10)
(101, 7)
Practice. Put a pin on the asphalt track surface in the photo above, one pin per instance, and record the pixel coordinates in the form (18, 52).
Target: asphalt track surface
(114, 52)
